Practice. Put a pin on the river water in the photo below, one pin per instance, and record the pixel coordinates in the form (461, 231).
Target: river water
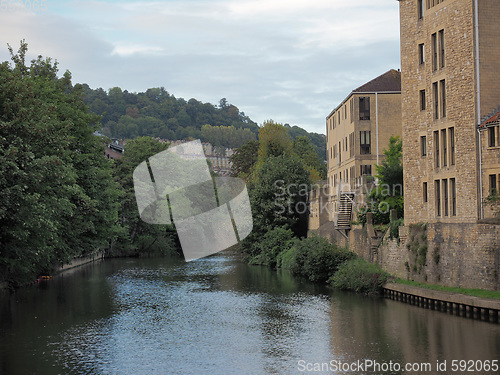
(218, 315)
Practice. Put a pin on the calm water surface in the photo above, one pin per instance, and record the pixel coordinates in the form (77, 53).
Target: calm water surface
(219, 316)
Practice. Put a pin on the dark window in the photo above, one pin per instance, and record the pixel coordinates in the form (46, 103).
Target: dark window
(453, 189)
(445, 197)
(436, 149)
(491, 137)
(444, 148)
(424, 192)
(437, 188)
(443, 98)
(420, 5)
(493, 184)
(423, 145)
(364, 108)
(441, 48)
(451, 134)
(422, 100)
(434, 51)
(352, 109)
(366, 170)
(435, 95)
(421, 54)
(365, 142)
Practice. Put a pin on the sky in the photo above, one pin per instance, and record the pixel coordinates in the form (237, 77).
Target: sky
(291, 61)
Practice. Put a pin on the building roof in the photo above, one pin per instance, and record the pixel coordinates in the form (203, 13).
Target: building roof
(491, 119)
(389, 81)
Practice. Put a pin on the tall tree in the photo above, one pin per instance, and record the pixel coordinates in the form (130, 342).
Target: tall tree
(58, 198)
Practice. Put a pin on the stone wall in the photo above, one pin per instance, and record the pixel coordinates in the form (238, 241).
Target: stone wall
(450, 254)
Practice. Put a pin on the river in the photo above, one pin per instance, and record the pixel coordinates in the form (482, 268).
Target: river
(219, 315)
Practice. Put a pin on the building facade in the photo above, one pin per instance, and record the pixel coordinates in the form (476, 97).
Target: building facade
(450, 59)
(358, 130)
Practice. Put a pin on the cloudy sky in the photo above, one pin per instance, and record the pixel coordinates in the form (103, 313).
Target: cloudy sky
(292, 61)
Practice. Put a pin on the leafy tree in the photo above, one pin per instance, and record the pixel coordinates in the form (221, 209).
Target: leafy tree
(274, 141)
(389, 192)
(278, 196)
(139, 237)
(244, 159)
(304, 149)
(58, 197)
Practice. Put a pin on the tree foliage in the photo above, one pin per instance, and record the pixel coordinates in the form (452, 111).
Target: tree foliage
(244, 159)
(389, 192)
(138, 237)
(157, 113)
(58, 197)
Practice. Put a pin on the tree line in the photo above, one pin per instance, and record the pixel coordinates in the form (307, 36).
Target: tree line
(159, 114)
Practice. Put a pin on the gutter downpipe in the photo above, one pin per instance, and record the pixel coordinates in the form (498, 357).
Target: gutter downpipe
(376, 123)
(478, 109)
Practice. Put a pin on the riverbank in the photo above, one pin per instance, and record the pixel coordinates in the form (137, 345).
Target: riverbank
(468, 306)
(77, 262)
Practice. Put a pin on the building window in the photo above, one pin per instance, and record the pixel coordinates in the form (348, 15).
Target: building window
(443, 98)
(340, 153)
(434, 51)
(436, 149)
(351, 144)
(493, 184)
(441, 48)
(422, 100)
(436, 99)
(491, 137)
(423, 145)
(437, 188)
(421, 54)
(352, 109)
(444, 148)
(451, 135)
(365, 142)
(445, 197)
(366, 170)
(453, 192)
(420, 6)
(424, 192)
(364, 108)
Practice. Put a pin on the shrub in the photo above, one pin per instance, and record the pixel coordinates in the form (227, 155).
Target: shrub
(267, 249)
(360, 276)
(314, 258)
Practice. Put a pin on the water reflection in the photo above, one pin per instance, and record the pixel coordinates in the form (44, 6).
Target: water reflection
(220, 316)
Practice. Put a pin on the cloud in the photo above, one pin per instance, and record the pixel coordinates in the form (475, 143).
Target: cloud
(292, 61)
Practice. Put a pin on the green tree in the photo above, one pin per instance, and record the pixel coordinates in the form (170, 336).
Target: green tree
(244, 159)
(389, 192)
(58, 197)
(139, 237)
(274, 141)
(304, 149)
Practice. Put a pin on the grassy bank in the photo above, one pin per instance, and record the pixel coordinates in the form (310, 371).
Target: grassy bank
(469, 292)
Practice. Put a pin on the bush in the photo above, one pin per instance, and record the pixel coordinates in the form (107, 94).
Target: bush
(360, 276)
(271, 245)
(314, 258)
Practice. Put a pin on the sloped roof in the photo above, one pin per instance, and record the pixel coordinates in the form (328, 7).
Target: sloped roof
(491, 119)
(389, 81)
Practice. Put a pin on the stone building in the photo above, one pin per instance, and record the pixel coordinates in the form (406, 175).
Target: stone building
(358, 130)
(450, 59)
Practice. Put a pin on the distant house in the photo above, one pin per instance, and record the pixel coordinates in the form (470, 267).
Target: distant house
(115, 149)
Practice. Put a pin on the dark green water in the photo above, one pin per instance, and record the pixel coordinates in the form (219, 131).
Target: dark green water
(220, 316)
